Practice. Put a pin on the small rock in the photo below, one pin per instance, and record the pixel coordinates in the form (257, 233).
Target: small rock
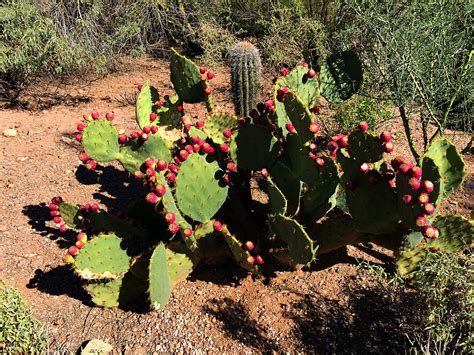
(96, 346)
(10, 132)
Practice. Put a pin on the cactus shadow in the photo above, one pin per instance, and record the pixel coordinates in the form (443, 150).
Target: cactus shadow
(59, 281)
(374, 320)
(238, 325)
(116, 188)
(228, 273)
(38, 215)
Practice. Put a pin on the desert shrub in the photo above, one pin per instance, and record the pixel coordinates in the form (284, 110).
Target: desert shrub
(446, 285)
(20, 332)
(361, 108)
(215, 41)
(30, 46)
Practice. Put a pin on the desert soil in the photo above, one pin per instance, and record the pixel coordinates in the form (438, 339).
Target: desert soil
(335, 308)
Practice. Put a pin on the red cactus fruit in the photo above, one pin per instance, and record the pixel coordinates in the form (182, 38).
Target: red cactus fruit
(200, 124)
(224, 148)
(420, 221)
(144, 136)
(73, 251)
(320, 161)
(207, 148)
(203, 78)
(430, 232)
(397, 162)
(152, 117)
(147, 129)
(158, 104)
(170, 217)
(154, 129)
(173, 228)
(68, 259)
(82, 237)
(407, 199)
(188, 232)
(332, 146)
(110, 116)
(427, 186)
(414, 183)
(259, 260)
(385, 137)
(78, 137)
(171, 176)
(183, 155)
(208, 91)
(196, 148)
(364, 168)
(429, 208)
(150, 172)
(388, 147)
(174, 168)
(249, 246)
(95, 115)
(95, 207)
(83, 156)
(122, 138)
(231, 166)
(363, 126)
(138, 174)
(54, 213)
(63, 228)
(314, 128)
(405, 168)
(152, 198)
(80, 127)
(227, 133)
(160, 190)
(91, 164)
(226, 179)
(139, 86)
(289, 126)
(150, 162)
(251, 260)
(424, 198)
(311, 155)
(265, 173)
(161, 165)
(218, 226)
(284, 71)
(57, 219)
(210, 75)
(343, 142)
(311, 73)
(79, 244)
(283, 90)
(416, 172)
(202, 70)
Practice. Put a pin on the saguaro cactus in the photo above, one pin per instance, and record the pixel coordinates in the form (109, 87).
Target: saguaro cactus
(246, 70)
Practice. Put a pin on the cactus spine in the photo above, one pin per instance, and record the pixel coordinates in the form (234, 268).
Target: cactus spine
(246, 70)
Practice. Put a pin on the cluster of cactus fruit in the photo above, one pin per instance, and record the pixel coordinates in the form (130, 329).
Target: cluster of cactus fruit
(322, 194)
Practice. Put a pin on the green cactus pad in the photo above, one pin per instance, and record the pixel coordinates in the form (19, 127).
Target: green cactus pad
(134, 154)
(199, 193)
(169, 115)
(186, 79)
(305, 88)
(240, 254)
(298, 113)
(167, 268)
(408, 213)
(341, 76)
(335, 232)
(278, 202)
(365, 148)
(300, 246)
(373, 208)
(70, 215)
(145, 104)
(216, 124)
(321, 195)
(289, 184)
(105, 294)
(100, 140)
(197, 132)
(456, 233)
(408, 261)
(450, 164)
(102, 258)
(253, 148)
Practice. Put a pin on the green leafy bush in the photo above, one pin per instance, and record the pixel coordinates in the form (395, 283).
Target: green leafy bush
(20, 332)
(361, 108)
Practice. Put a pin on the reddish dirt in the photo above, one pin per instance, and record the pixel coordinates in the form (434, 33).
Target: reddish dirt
(334, 308)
